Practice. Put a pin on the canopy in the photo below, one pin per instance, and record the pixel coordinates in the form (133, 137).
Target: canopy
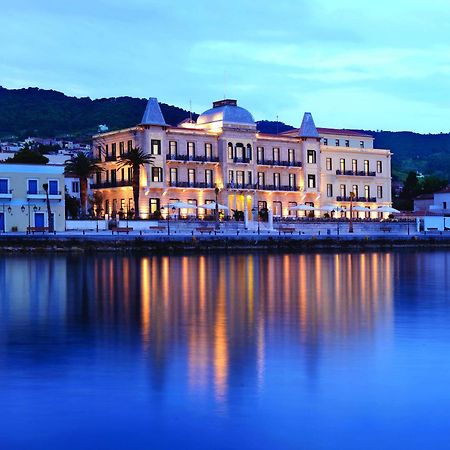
(387, 209)
(302, 208)
(328, 208)
(212, 206)
(362, 208)
(179, 205)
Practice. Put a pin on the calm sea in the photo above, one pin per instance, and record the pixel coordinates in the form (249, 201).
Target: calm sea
(313, 351)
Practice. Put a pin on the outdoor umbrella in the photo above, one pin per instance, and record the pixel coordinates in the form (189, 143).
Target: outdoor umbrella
(328, 208)
(387, 209)
(180, 205)
(302, 208)
(212, 206)
(362, 208)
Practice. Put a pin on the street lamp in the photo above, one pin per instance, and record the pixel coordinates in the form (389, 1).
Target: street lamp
(216, 210)
(350, 225)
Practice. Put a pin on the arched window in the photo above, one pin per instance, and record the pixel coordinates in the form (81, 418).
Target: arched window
(230, 151)
(249, 152)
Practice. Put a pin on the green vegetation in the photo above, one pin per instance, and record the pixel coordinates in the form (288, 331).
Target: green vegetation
(27, 156)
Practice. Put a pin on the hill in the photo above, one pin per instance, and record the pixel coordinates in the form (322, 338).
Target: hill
(48, 113)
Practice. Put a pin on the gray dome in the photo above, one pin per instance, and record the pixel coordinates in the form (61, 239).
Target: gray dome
(227, 112)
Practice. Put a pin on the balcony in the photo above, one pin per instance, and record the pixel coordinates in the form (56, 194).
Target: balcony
(110, 158)
(41, 195)
(356, 199)
(187, 184)
(189, 158)
(111, 184)
(6, 194)
(273, 187)
(262, 187)
(241, 160)
(355, 173)
(270, 162)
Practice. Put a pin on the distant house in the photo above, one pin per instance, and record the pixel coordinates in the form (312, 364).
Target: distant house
(423, 202)
(23, 198)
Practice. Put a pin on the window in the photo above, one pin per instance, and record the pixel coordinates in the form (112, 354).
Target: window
(209, 177)
(190, 149)
(367, 192)
(32, 186)
(153, 205)
(155, 147)
(261, 179)
(172, 148)
(248, 152)
(291, 211)
(355, 190)
(107, 176)
(337, 142)
(276, 179)
(325, 141)
(106, 206)
(291, 155)
(99, 152)
(347, 143)
(276, 154)
(191, 176)
(311, 181)
(329, 164)
(361, 144)
(329, 190)
(113, 151)
(277, 208)
(380, 191)
(342, 165)
(343, 190)
(75, 187)
(292, 180)
(366, 166)
(208, 150)
(240, 177)
(157, 174)
(260, 151)
(106, 151)
(311, 156)
(129, 145)
(193, 211)
(249, 177)
(122, 204)
(239, 151)
(230, 150)
(113, 176)
(173, 175)
(230, 176)
(354, 165)
(262, 204)
(98, 179)
(121, 148)
(122, 174)
(379, 166)
(130, 173)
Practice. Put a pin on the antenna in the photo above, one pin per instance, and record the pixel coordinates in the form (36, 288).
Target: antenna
(190, 110)
(277, 123)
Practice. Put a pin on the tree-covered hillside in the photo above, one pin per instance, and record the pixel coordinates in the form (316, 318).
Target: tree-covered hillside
(48, 113)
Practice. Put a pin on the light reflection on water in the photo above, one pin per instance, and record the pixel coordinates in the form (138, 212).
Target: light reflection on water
(243, 351)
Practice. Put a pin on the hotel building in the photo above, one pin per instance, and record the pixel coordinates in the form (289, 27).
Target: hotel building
(252, 170)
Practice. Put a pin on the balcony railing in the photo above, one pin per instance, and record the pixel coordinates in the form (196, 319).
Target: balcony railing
(356, 199)
(110, 158)
(270, 162)
(241, 160)
(35, 192)
(191, 158)
(187, 184)
(355, 173)
(262, 187)
(111, 184)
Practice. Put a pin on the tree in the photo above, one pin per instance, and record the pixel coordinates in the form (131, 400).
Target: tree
(83, 167)
(26, 155)
(135, 158)
(432, 184)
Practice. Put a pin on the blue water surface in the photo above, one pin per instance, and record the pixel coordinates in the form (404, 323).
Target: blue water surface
(311, 351)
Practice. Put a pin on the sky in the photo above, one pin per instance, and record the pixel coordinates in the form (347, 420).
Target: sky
(381, 65)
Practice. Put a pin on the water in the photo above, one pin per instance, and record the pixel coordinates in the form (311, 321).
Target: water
(319, 351)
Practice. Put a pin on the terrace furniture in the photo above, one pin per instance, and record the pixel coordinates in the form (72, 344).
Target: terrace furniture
(121, 230)
(204, 230)
(285, 230)
(32, 230)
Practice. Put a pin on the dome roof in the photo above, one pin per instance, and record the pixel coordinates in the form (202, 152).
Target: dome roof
(227, 112)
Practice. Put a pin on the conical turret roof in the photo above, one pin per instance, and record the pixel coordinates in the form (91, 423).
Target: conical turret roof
(308, 128)
(152, 114)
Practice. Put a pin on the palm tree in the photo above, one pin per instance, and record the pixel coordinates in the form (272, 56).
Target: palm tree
(135, 158)
(82, 167)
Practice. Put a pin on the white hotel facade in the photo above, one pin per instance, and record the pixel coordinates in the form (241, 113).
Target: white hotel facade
(252, 170)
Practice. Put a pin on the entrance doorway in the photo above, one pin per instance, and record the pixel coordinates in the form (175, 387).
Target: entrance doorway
(2, 222)
(39, 219)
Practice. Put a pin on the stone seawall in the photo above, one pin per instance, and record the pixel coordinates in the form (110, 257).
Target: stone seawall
(189, 244)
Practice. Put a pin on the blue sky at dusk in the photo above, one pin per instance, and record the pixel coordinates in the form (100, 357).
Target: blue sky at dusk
(373, 65)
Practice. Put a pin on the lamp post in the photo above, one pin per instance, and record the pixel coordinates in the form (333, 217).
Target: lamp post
(216, 210)
(350, 225)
